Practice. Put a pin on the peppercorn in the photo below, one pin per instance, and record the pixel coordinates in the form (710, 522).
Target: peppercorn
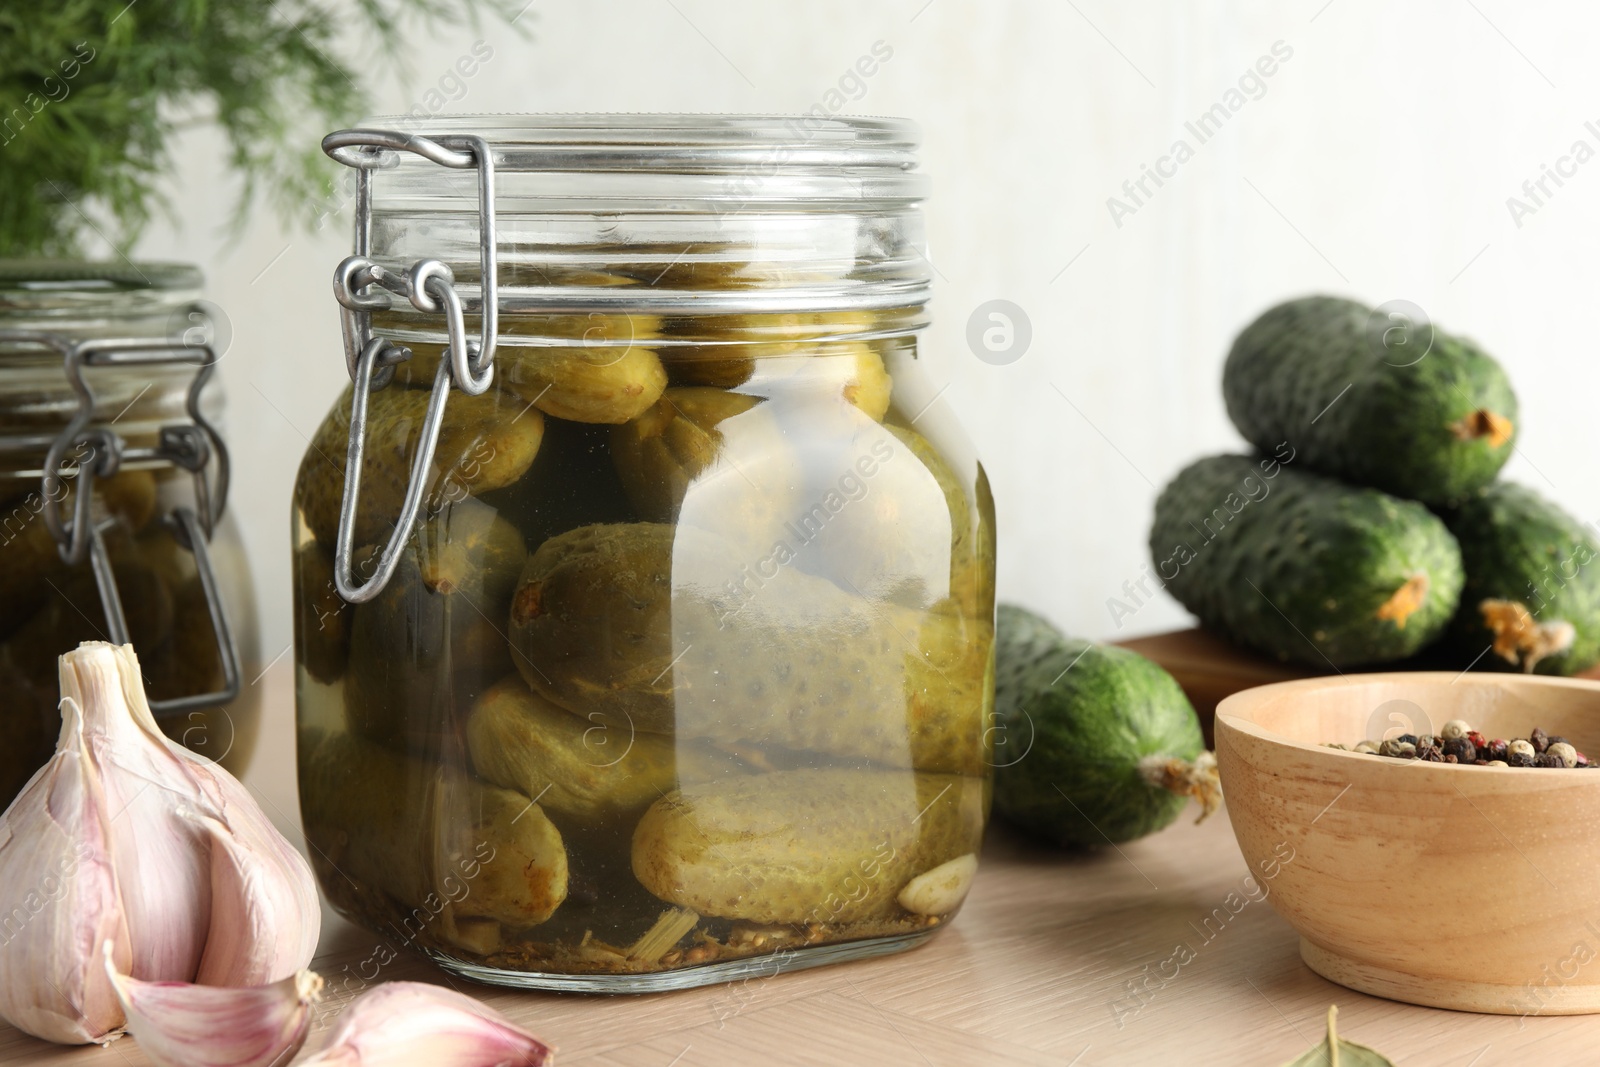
(1565, 753)
(1458, 743)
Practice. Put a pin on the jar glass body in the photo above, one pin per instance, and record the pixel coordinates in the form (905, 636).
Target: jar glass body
(48, 606)
(686, 669)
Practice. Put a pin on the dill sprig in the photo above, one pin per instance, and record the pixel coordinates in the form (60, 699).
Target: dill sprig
(92, 91)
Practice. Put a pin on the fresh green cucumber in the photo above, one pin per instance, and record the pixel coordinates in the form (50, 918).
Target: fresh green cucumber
(1304, 568)
(1407, 409)
(1531, 601)
(1095, 744)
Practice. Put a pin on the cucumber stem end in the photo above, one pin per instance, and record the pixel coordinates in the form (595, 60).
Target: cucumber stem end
(1521, 640)
(1197, 778)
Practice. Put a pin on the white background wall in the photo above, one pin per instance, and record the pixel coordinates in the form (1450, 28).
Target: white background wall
(1377, 164)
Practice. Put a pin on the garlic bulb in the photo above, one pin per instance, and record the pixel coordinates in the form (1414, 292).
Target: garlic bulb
(405, 1023)
(127, 837)
(182, 1025)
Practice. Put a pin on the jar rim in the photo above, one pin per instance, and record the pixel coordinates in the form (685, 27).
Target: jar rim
(47, 302)
(96, 275)
(802, 161)
(669, 131)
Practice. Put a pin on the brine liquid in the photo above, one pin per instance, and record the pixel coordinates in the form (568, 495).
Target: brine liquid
(707, 683)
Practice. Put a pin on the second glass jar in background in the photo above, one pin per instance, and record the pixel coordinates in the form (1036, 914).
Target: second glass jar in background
(114, 346)
(684, 670)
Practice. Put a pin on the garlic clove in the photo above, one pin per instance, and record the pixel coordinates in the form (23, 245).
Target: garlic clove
(940, 890)
(265, 912)
(261, 893)
(181, 1025)
(162, 869)
(58, 894)
(404, 1023)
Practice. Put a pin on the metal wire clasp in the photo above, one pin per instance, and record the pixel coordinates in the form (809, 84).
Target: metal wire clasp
(363, 286)
(99, 452)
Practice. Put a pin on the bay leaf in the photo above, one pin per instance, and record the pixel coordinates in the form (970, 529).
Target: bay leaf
(1335, 1051)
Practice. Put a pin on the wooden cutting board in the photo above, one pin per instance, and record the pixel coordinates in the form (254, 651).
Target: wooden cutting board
(1209, 668)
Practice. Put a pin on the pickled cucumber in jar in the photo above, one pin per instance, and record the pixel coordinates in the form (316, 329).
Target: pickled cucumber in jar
(854, 370)
(32, 555)
(658, 628)
(609, 374)
(462, 859)
(715, 460)
(805, 846)
(445, 606)
(577, 765)
(605, 384)
(746, 465)
(322, 617)
(680, 438)
(486, 442)
(906, 529)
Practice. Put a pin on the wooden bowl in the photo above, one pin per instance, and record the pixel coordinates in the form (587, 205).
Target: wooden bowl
(1465, 887)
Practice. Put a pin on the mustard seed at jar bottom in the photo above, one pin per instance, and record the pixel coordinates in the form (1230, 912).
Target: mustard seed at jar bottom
(101, 363)
(654, 644)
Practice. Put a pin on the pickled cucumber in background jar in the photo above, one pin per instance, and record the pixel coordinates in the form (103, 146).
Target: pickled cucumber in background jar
(644, 586)
(113, 488)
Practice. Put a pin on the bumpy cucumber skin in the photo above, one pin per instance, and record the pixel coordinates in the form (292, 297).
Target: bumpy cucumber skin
(1301, 572)
(1516, 545)
(1392, 429)
(1085, 715)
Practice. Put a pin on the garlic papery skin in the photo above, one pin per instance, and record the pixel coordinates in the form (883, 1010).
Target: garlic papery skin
(150, 846)
(181, 1025)
(404, 1023)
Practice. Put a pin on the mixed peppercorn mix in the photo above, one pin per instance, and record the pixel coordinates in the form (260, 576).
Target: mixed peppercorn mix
(1458, 742)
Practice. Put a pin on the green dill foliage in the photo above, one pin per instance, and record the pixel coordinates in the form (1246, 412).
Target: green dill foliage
(91, 92)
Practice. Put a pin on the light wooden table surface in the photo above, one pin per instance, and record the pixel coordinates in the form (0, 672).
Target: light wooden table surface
(1036, 970)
